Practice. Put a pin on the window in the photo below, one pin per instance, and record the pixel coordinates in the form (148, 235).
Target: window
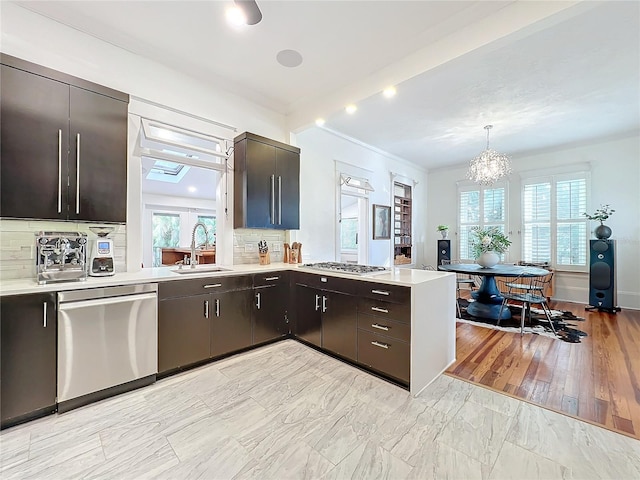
(210, 223)
(554, 229)
(166, 234)
(479, 207)
(349, 234)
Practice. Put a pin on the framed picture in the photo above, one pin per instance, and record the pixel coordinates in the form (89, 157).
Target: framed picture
(381, 222)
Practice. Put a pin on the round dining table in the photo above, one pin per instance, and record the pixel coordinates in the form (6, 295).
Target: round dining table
(488, 298)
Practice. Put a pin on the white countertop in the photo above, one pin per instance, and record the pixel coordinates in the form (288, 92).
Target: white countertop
(395, 276)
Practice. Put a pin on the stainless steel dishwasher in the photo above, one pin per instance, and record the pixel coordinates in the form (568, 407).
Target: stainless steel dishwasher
(107, 342)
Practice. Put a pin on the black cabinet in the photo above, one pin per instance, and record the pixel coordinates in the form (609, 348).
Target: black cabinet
(64, 141)
(326, 313)
(202, 318)
(27, 357)
(230, 314)
(266, 183)
(183, 331)
(270, 311)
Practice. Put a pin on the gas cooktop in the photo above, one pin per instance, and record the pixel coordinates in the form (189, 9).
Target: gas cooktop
(352, 268)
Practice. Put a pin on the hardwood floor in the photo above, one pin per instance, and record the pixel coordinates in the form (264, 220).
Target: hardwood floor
(597, 380)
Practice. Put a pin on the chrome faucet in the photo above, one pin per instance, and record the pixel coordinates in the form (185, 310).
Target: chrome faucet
(193, 261)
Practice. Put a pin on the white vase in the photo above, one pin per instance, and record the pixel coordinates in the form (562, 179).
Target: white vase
(444, 233)
(488, 259)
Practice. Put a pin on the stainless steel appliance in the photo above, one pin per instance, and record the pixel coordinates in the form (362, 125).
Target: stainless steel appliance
(102, 255)
(352, 268)
(61, 256)
(107, 342)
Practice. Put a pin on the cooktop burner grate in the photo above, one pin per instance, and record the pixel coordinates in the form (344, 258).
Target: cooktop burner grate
(352, 268)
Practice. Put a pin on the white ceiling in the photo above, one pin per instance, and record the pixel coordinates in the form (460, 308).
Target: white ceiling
(543, 73)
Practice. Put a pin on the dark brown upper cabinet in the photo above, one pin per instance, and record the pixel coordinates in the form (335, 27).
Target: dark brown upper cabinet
(266, 183)
(63, 146)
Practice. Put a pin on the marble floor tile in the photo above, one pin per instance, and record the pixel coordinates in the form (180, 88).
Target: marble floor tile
(516, 462)
(287, 411)
(477, 432)
(369, 461)
(439, 461)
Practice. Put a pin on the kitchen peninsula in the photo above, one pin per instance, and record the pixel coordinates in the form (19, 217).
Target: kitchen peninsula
(399, 324)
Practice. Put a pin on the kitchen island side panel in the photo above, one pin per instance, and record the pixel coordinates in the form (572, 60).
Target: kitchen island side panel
(433, 330)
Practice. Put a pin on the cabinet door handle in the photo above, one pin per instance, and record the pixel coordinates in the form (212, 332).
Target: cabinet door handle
(217, 307)
(273, 199)
(380, 327)
(380, 292)
(381, 345)
(324, 304)
(258, 300)
(59, 171)
(381, 310)
(78, 174)
(213, 285)
(317, 302)
(44, 315)
(271, 278)
(206, 309)
(279, 200)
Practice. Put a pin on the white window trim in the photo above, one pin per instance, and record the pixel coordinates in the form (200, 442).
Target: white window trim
(553, 176)
(470, 187)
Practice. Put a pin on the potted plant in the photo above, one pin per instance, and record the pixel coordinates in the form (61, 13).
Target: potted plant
(601, 214)
(487, 244)
(444, 230)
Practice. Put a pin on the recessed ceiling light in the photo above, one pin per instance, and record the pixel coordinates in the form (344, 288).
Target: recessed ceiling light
(320, 122)
(389, 92)
(192, 189)
(351, 109)
(289, 58)
(236, 17)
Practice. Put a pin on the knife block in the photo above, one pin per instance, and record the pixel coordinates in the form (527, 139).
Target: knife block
(264, 258)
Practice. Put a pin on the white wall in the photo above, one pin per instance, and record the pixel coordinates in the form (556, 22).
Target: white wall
(615, 179)
(320, 149)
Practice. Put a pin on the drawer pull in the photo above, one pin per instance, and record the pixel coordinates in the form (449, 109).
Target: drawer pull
(376, 309)
(381, 345)
(267, 279)
(380, 327)
(213, 285)
(380, 292)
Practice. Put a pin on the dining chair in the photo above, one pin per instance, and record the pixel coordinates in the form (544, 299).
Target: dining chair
(528, 290)
(461, 279)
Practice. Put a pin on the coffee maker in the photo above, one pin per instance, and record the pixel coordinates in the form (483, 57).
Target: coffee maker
(102, 254)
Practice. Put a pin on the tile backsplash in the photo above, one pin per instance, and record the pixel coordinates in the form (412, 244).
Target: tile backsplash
(245, 244)
(18, 251)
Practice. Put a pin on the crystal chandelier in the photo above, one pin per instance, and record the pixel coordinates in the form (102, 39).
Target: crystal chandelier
(489, 166)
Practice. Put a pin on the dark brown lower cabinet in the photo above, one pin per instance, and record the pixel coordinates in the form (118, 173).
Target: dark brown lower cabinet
(269, 312)
(339, 324)
(28, 335)
(230, 314)
(385, 354)
(183, 331)
(308, 315)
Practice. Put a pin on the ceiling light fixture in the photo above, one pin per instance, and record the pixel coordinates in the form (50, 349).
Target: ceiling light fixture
(490, 166)
(236, 17)
(389, 92)
(192, 189)
(320, 122)
(351, 109)
(250, 9)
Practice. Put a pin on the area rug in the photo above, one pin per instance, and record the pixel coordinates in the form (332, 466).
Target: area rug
(539, 324)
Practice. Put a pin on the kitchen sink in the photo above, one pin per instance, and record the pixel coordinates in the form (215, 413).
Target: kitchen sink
(200, 269)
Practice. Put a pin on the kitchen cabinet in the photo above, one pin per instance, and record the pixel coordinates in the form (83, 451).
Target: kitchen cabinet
(270, 307)
(327, 313)
(230, 314)
(266, 183)
(28, 328)
(202, 318)
(384, 329)
(183, 331)
(64, 141)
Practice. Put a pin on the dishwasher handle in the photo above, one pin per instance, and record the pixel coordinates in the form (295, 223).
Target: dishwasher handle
(107, 301)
